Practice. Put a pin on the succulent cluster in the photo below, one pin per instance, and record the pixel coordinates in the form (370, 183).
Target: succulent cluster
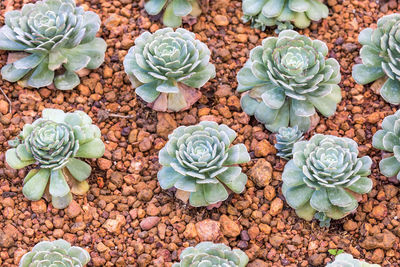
(166, 66)
(200, 159)
(263, 13)
(54, 39)
(388, 139)
(324, 177)
(210, 254)
(285, 139)
(54, 142)
(286, 79)
(347, 260)
(174, 10)
(379, 53)
(55, 253)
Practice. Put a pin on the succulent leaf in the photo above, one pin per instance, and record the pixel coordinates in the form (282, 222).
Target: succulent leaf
(53, 142)
(210, 254)
(174, 10)
(379, 55)
(347, 260)
(282, 13)
(200, 159)
(322, 177)
(388, 139)
(287, 79)
(55, 35)
(55, 253)
(285, 139)
(166, 66)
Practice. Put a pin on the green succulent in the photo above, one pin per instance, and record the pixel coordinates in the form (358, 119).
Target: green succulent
(388, 139)
(263, 13)
(286, 79)
(208, 254)
(324, 178)
(54, 142)
(347, 260)
(166, 66)
(379, 53)
(174, 10)
(56, 253)
(55, 39)
(285, 139)
(200, 159)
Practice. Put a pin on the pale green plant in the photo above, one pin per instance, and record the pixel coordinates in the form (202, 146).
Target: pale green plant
(347, 260)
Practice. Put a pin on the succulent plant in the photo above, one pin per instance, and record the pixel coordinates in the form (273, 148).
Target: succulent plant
(286, 79)
(263, 13)
(174, 10)
(54, 40)
(285, 139)
(388, 139)
(54, 142)
(200, 159)
(166, 66)
(210, 254)
(347, 260)
(325, 178)
(55, 253)
(379, 54)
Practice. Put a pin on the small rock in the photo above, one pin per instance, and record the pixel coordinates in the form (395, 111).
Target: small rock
(101, 247)
(253, 232)
(276, 240)
(257, 263)
(6, 240)
(73, 209)
(349, 47)
(385, 240)
(208, 230)
(149, 222)
(114, 225)
(104, 164)
(317, 259)
(350, 225)
(221, 20)
(276, 206)
(241, 38)
(377, 256)
(165, 124)
(228, 227)
(190, 231)
(264, 148)
(4, 106)
(261, 173)
(379, 212)
(39, 206)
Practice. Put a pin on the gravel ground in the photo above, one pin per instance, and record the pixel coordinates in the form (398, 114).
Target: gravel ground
(127, 220)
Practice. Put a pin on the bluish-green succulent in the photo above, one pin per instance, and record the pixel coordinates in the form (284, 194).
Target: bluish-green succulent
(57, 253)
(388, 139)
(347, 260)
(264, 13)
(324, 177)
(54, 39)
(199, 159)
(165, 68)
(54, 142)
(287, 79)
(174, 10)
(285, 139)
(380, 54)
(208, 254)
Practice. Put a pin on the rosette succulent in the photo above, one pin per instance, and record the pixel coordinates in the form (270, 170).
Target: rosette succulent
(55, 253)
(379, 53)
(347, 260)
(263, 13)
(285, 139)
(210, 254)
(166, 66)
(325, 178)
(199, 159)
(54, 142)
(54, 39)
(388, 139)
(174, 10)
(286, 79)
